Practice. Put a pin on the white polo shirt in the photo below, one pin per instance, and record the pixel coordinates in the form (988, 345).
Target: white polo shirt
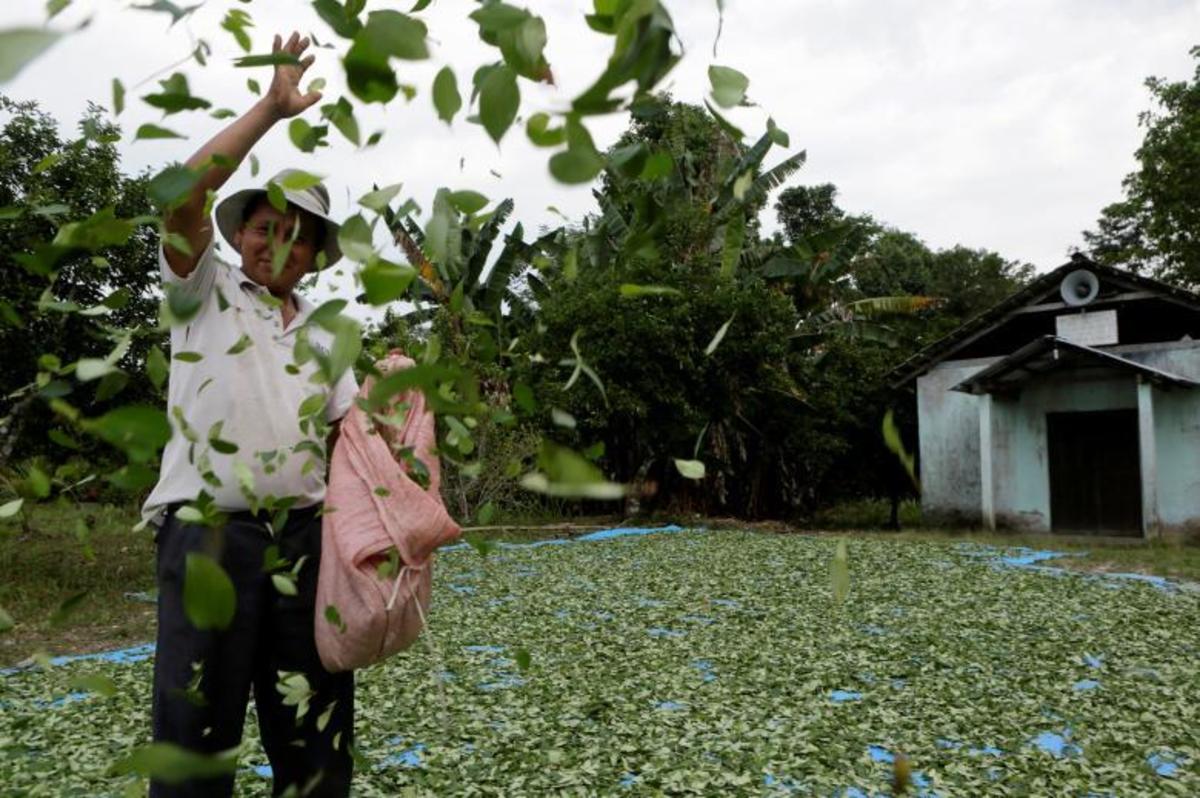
(238, 371)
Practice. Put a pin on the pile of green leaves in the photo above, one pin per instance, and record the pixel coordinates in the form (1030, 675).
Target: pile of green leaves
(705, 663)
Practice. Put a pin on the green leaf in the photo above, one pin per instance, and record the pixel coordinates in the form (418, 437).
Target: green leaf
(567, 474)
(68, 607)
(6, 621)
(299, 180)
(895, 444)
(499, 99)
(280, 58)
(397, 35)
(285, 584)
(354, 239)
(118, 95)
(139, 431)
(55, 7)
(188, 357)
(325, 314)
(347, 344)
(573, 166)
(718, 338)
(468, 202)
(101, 229)
(342, 18)
(482, 544)
(658, 165)
(334, 617)
(209, 599)
(446, 99)
(176, 96)
(149, 131)
(690, 469)
(307, 137)
(742, 184)
(240, 346)
(236, 22)
(63, 439)
(581, 162)
(95, 683)
(276, 196)
(562, 418)
(379, 199)
(387, 34)
(731, 249)
(171, 186)
(92, 368)
(10, 509)
(384, 281)
(778, 137)
(733, 130)
(839, 573)
(173, 764)
(19, 46)
(728, 86)
(541, 134)
(341, 116)
(523, 659)
(629, 290)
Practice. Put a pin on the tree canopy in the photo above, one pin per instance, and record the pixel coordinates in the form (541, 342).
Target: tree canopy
(1155, 227)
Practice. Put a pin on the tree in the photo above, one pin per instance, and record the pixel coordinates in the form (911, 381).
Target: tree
(805, 211)
(44, 180)
(1156, 226)
(646, 310)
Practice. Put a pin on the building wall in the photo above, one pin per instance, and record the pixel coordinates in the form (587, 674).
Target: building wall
(948, 426)
(1020, 461)
(949, 440)
(1177, 435)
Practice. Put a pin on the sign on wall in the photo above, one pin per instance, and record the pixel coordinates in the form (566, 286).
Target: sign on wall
(1098, 328)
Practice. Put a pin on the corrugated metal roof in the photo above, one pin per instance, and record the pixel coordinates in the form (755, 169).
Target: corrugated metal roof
(944, 347)
(1051, 353)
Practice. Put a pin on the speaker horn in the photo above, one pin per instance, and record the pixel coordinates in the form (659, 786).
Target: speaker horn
(1080, 287)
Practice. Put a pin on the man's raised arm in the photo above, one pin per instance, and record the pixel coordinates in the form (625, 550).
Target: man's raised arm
(217, 160)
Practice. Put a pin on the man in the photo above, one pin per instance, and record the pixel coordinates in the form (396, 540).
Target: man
(240, 454)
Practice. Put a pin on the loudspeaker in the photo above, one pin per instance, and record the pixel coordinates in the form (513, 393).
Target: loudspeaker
(1080, 287)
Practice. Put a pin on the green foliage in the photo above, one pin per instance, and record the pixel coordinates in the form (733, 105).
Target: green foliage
(103, 265)
(1156, 226)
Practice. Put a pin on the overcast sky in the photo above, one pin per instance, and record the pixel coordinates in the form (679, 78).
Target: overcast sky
(1003, 124)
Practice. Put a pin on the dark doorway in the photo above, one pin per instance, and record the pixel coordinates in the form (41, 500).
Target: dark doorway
(1095, 476)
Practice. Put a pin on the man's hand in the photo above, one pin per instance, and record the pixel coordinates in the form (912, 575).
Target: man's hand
(284, 95)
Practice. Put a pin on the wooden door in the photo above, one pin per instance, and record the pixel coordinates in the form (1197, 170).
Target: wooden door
(1095, 472)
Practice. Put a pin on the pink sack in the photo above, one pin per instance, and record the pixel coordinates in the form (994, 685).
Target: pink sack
(372, 505)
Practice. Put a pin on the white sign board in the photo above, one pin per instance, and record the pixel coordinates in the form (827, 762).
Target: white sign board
(1098, 328)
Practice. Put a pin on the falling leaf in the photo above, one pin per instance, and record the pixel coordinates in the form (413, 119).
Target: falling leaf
(839, 573)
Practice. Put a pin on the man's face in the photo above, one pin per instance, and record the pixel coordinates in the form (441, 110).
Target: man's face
(277, 248)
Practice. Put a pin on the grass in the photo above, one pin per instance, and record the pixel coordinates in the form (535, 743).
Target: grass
(48, 561)
(720, 663)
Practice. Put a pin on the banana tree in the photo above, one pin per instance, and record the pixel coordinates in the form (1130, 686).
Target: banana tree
(453, 271)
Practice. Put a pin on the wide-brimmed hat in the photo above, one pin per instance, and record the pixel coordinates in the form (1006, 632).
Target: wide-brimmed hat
(313, 199)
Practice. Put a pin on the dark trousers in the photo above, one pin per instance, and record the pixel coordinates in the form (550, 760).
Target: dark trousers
(202, 679)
